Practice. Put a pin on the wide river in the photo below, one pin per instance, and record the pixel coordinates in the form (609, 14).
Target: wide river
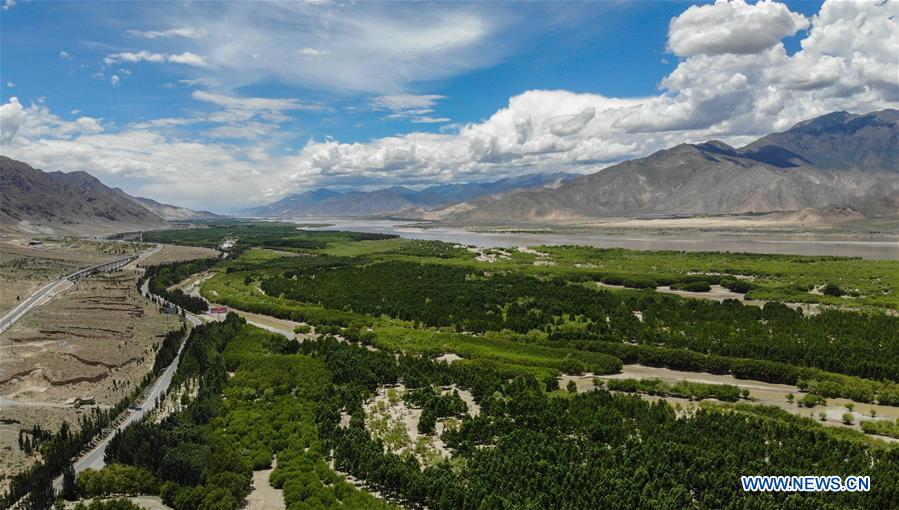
(869, 249)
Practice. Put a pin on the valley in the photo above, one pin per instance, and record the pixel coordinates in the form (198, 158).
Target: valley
(396, 327)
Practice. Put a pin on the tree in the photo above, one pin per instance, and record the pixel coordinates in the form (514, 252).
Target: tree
(790, 397)
(572, 386)
(847, 418)
(69, 488)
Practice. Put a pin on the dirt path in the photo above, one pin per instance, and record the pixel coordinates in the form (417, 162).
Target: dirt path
(263, 496)
(760, 392)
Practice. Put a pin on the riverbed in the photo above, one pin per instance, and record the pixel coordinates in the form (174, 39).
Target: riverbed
(882, 249)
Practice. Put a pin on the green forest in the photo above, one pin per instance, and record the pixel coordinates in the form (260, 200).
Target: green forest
(380, 312)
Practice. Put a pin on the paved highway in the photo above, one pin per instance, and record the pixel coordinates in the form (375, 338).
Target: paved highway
(93, 459)
(47, 292)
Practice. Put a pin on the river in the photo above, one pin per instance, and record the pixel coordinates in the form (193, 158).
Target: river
(807, 245)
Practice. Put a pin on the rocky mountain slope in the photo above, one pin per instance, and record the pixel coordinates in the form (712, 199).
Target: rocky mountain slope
(170, 212)
(837, 160)
(67, 203)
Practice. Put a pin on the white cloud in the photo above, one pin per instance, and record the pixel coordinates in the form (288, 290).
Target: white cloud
(188, 32)
(365, 47)
(36, 121)
(732, 26)
(8, 4)
(311, 52)
(134, 57)
(399, 102)
(11, 117)
(130, 57)
(846, 62)
(10, 84)
(415, 108)
(114, 80)
(65, 55)
(187, 58)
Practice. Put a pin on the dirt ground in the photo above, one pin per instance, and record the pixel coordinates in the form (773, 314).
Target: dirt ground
(148, 502)
(173, 253)
(24, 269)
(97, 339)
(389, 418)
(263, 496)
(759, 393)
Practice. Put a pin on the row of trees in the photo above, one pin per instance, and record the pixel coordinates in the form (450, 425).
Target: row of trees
(527, 449)
(865, 345)
(160, 277)
(58, 449)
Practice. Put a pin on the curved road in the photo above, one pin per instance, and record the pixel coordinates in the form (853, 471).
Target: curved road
(93, 459)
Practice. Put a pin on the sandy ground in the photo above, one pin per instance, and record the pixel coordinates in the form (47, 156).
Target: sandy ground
(174, 253)
(719, 293)
(97, 339)
(809, 218)
(148, 502)
(389, 418)
(24, 269)
(263, 496)
(449, 358)
(759, 393)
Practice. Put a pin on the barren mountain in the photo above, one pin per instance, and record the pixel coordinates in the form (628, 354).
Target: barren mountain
(325, 202)
(56, 202)
(836, 141)
(838, 160)
(170, 212)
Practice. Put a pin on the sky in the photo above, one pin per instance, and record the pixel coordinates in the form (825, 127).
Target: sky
(227, 105)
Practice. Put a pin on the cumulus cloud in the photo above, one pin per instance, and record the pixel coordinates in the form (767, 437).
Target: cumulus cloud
(719, 89)
(8, 4)
(37, 121)
(131, 57)
(65, 55)
(11, 116)
(114, 80)
(732, 26)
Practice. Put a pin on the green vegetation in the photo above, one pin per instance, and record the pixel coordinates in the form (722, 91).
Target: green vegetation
(682, 389)
(384, 310)
(784, 278)
(881, 427)
(161, 277)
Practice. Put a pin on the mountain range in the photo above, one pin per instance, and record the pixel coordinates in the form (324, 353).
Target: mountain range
(398, 199)
(76, 202)
(836, 160)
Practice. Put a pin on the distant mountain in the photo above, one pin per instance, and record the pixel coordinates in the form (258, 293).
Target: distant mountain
(170, 212)
(839, 159)
(325, 202)
(836, 141)
(66, 203)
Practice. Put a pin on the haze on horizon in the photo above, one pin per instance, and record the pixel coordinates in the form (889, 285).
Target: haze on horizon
(226, 105)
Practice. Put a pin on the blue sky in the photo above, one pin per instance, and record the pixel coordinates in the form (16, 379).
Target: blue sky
(221, 105)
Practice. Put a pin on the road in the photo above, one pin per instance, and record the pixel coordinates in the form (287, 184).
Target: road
(94, 458)
(47, 292)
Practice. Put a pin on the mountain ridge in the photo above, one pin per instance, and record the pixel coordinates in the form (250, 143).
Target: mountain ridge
(837, 160)
(396, 199)
(35, 201)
